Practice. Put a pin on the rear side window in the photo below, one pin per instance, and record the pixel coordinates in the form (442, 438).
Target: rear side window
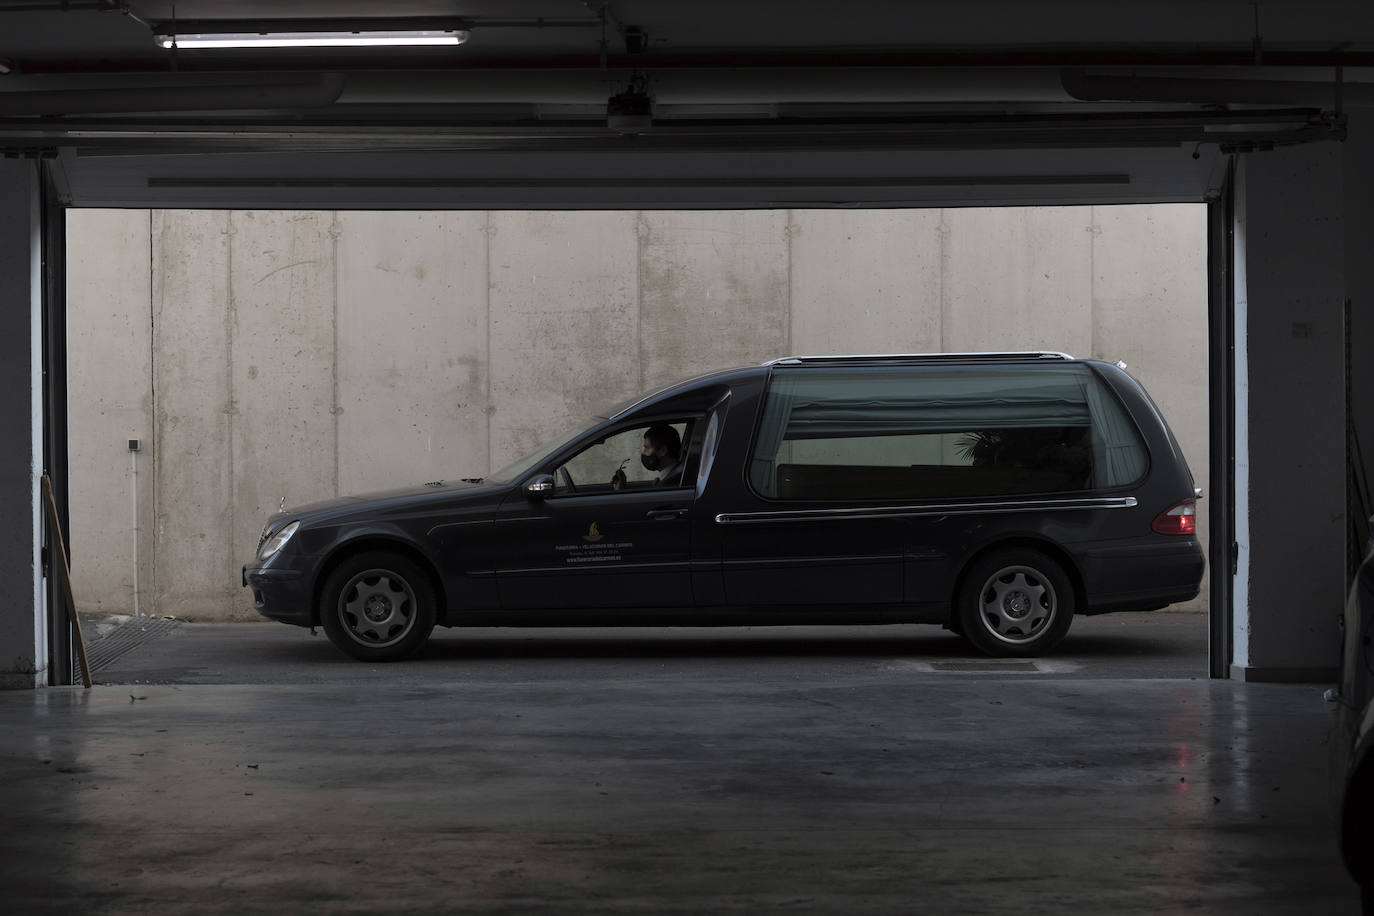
(940, 432)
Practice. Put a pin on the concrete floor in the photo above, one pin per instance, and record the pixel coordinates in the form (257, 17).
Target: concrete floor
(249, 768)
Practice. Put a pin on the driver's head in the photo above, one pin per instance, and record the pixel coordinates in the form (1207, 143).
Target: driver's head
(662, 447)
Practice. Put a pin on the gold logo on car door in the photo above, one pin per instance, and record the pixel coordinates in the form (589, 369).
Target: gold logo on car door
(593, 534)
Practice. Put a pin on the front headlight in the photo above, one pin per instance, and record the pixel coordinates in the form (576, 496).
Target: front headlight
(277, 541)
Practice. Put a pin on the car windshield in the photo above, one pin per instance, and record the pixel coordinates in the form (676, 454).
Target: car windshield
(521, 466)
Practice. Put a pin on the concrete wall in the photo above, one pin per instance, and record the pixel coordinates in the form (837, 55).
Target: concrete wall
(303, 354)
(111, 393)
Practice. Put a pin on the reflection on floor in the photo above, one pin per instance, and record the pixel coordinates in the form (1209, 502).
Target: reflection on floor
(606, 772)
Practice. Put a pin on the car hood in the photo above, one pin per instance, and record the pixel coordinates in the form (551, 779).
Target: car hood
(327, 507)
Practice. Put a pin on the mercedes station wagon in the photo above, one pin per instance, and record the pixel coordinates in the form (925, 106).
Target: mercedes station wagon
(995, 494)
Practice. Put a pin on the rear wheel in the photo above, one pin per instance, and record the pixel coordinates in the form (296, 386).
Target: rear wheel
(1015, 603)
(378, 606)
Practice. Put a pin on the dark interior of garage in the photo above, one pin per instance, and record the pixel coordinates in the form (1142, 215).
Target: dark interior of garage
(598, 777)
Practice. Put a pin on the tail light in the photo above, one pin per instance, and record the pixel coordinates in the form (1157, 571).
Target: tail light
(1178, 519)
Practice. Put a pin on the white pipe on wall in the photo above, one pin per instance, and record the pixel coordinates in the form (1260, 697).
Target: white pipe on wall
(133, 467)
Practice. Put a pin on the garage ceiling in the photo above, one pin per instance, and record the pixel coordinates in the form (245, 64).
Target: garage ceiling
(750, 103)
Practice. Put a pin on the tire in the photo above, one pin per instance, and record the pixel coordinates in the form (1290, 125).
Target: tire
(1014, 603)
(378, 606)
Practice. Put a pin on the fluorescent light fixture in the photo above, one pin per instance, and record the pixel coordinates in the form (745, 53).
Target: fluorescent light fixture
(390, 32)
(358, 39)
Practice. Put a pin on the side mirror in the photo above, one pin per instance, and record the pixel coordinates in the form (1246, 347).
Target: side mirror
(540, 486)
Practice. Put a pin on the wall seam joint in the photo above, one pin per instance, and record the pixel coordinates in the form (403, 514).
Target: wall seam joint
(490, 407)
(153, 399)
(334, 365)
(942, 233)
(231, 319)
(788, 234)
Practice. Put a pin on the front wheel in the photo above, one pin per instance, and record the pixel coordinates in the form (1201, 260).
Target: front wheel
(378, 607)
(1015, 603)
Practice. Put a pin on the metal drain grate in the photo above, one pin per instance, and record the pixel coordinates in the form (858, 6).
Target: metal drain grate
(101, 653)
(985, 666)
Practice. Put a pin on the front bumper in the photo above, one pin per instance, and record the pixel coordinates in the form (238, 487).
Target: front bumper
(283, 589)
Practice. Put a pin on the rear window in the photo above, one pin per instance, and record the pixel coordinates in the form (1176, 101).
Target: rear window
(940, 432)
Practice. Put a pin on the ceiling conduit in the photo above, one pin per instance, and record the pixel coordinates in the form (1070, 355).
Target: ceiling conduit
(845, 86)
(1307, 93)
(315, 91)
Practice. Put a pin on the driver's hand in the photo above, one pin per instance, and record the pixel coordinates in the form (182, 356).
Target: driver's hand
(618, 479)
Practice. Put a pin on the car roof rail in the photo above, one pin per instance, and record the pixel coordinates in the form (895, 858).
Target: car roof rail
(919, 357)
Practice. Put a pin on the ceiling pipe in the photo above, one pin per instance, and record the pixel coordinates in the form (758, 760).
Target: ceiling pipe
(103, 94)
(1305, 94)
(725, 86)
(712, 87)
(92, 94)
(64, 6)
(302, 23)
(475, 62)
(312, 92)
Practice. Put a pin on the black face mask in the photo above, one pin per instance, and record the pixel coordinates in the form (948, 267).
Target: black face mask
(650, 462)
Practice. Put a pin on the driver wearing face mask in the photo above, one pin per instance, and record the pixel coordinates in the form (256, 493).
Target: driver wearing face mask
(662, 453)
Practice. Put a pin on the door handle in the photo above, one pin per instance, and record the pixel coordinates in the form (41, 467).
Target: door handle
(660, 515)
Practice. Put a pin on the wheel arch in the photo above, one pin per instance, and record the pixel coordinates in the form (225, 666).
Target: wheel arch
(372, 542)
(1049, 548)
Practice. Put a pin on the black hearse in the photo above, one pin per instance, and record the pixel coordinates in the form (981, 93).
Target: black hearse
(997, 494)
(1353, 742)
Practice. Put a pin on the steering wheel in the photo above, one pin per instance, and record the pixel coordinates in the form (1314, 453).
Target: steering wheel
(567, 479)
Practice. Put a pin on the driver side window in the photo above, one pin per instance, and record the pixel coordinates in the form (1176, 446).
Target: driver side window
(592, 469)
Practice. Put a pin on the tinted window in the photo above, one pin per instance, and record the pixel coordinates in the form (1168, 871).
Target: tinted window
(940, 432)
